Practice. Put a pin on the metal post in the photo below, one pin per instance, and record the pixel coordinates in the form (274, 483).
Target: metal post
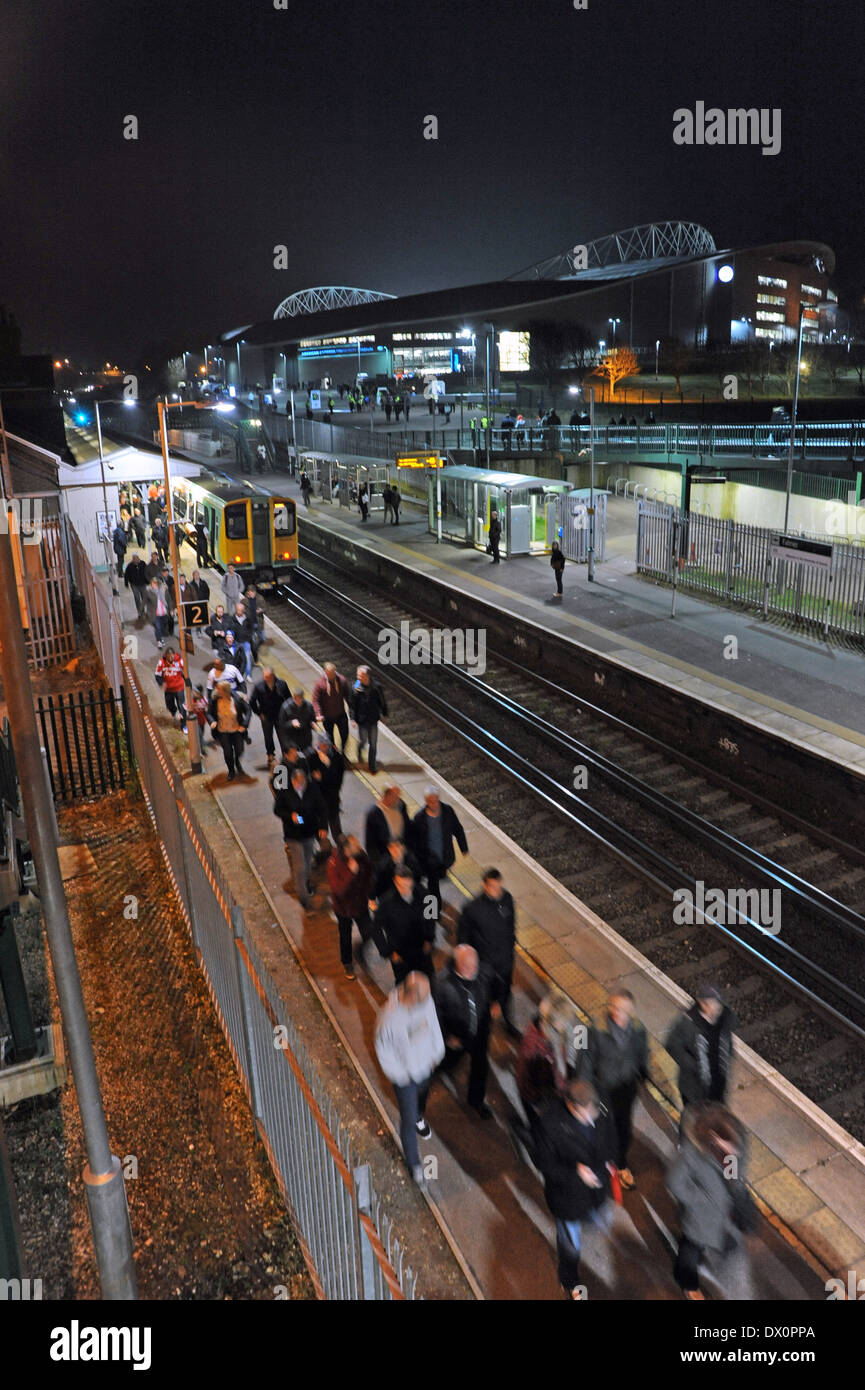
(488, 431)
(438, 501)
(591, 484)
(103, 1178)
(191, 721)
(363, 1202)
(793, 419)
(243, 984)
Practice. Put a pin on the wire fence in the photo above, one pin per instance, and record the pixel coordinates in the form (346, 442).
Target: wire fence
(349, 1242)
(734, 562)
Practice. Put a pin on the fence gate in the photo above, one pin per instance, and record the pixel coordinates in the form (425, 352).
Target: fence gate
(85, 738)
(655, 538)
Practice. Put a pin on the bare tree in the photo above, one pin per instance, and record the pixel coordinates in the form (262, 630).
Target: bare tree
(616, 364)
(547, 350)
(677, 358)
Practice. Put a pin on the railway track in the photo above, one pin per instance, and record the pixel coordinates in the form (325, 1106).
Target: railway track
(624, 822)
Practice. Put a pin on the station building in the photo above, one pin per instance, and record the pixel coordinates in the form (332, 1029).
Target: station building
(642, 288)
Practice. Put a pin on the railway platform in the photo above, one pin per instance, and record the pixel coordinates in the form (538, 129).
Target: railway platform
(806, 1172)
(782, 680)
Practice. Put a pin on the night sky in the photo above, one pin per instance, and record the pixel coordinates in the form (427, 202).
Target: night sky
(304, 126)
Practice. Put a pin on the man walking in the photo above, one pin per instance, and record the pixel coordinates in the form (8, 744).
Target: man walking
(304, 818)
(462, 997)
(385, 821)
(201, 552)
(118, 541)
(294, 722)
(701, 1043)
(406, 934)
(268, 696)
(232, 587)
(396, 503)
(135, 578)
(489, 923)
(349, 876)
(169, 674)
(574, 1147)
(409, 1047)
(368, 705)
(330, 697)
(386, 497)
(228, 713)
(619, 1058)
(432, 836)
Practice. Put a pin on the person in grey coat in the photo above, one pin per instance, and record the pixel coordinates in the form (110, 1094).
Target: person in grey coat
(701, 1042)
(707, 1179)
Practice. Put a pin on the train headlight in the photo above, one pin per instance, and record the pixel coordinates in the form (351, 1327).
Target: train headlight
(286, 555)
(237, 559)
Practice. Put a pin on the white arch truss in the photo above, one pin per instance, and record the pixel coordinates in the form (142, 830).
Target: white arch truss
(651, 242)
(313, 301)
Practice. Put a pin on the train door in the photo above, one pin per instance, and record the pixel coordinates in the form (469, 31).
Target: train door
(261, 556)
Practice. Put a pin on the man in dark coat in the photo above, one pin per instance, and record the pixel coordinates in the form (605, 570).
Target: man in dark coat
(139, 527)
(327, 769)
(135, 578)
(619, 1059)
(368, 705)
(200, 544)
(385, 870)
(294, 722)
(304, 818)
(432, 836)
(489, 923)
(118, 541)
(701, 1043)
(385, 821)
(495, 537)
(462, 997)
(267, 698)
(574, 1145)
(406, 934)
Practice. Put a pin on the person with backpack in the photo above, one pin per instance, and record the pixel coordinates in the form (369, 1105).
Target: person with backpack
(557, 564)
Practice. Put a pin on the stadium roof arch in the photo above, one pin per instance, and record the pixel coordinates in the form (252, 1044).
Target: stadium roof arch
(323, 297)
(631, 252)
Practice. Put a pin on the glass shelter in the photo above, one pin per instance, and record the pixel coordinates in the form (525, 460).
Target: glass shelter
(526, 508)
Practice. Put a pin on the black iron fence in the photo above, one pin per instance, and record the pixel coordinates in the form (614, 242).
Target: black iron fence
(86, 739)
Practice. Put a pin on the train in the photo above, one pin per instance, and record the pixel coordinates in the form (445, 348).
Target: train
(254, 530)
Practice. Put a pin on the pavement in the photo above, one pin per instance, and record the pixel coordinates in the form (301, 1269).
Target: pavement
(806, 1172)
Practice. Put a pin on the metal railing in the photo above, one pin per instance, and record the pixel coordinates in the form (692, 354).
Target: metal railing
(732, 562)
(348, 1240)
(87, 743)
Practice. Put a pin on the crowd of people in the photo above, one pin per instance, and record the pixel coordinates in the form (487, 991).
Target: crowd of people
(577, 1084)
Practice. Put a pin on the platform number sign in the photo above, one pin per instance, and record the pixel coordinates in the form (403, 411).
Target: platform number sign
(195, 614)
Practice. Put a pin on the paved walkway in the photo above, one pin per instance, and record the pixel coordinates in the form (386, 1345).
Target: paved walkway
(807, 1171)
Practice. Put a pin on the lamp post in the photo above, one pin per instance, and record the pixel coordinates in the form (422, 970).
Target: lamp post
(614, 322)
(657, 351)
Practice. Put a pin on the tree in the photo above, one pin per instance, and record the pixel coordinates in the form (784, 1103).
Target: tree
(578, 345)
(547, 349)
(617, 363)
(677, 359)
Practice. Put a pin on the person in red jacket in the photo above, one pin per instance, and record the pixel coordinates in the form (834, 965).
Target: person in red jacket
(330, 695)
(169, 674)
(349, 875)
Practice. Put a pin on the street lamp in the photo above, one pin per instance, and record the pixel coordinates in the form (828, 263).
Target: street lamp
(614, 322)
(657, 350)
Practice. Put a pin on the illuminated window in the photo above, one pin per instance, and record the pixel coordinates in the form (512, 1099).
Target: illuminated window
(776, 333)
(811, 289)
(771, 299)
(514, 352)
(772, 282)
(769, 316)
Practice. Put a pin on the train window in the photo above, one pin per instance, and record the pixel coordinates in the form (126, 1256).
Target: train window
(283, 519)
(179, 505)
(236, 528)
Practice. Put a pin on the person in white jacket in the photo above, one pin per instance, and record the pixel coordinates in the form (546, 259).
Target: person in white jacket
(409, 1046)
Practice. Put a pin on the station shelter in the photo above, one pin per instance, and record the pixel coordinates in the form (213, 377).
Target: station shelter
(527, 508)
